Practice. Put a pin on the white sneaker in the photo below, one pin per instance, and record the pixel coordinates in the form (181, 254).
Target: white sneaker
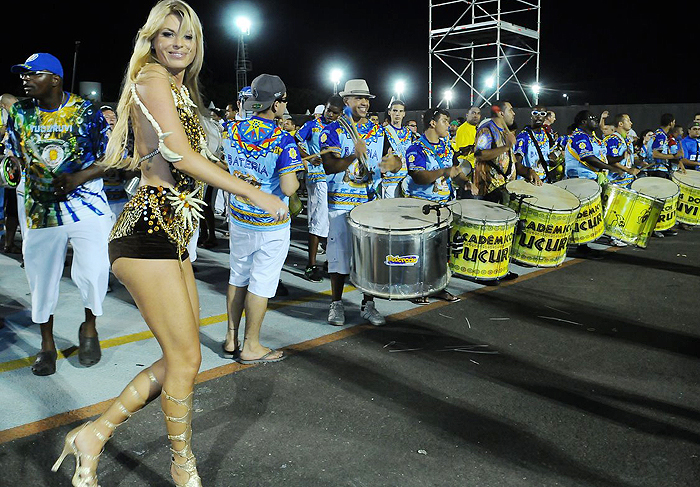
(336, 315)
(370, 313)
(617, 243)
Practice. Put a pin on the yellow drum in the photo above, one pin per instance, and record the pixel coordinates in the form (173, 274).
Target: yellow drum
(629, 215)
(547, 217)
(487, 231)
(688, 209)
(589, 222)
(664, 190)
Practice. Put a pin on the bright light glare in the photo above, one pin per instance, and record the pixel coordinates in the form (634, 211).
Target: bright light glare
(448, 96)
(336, 74)
(399, 87)
(565, 95)
(243, 23)
(489, 82)
(536, 89)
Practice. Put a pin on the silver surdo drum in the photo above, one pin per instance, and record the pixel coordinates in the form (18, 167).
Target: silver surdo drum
(398, 251)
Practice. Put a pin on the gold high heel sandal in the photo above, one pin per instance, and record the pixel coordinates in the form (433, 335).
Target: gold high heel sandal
(84, 476)
(189, 466)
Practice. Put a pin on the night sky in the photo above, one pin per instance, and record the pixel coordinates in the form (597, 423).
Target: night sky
(599, 52)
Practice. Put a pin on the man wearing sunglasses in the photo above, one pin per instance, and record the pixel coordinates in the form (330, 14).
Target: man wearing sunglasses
(262, 154)
(585, 155)
(60, 137)
(533, 148)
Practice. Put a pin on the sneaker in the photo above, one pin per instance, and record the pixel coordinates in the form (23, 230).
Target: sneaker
(370, 313)
(313, 273)
(685, 226)
(670, 232)
(617, 242)
(658, 234)
(336, 315)
(321, 249)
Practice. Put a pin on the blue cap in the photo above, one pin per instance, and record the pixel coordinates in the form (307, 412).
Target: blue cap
(246, 92)
(40, 61)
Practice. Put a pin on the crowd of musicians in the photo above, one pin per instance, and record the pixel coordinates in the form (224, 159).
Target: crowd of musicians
(127, 187)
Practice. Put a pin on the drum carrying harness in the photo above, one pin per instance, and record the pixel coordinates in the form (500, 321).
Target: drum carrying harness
(543, 161)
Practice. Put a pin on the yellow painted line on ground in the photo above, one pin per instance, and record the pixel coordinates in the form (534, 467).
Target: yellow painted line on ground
(69, 417)
(145, 335)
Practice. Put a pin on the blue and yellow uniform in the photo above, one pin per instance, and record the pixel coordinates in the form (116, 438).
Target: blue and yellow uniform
(691, 149)
(310, 135)
(659, 142)
(63, 141)
(425, 156)
(618, 146)
(528, 151)
(400, 140)
(357, 184)
(259, 152)
(579, 146)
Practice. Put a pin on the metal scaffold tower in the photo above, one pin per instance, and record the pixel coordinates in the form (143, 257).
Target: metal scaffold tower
(491, 46)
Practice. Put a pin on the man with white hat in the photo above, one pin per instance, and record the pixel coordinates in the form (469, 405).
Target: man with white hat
(318, 111)
(359, 153)
(259, 152)
(59, 137)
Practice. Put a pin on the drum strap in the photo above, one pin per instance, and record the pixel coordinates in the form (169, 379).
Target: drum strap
(543, 161)
(496, 166)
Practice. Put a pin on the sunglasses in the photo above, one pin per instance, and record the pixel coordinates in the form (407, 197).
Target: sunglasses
(540, 113)
(32, 74)
(413, 125)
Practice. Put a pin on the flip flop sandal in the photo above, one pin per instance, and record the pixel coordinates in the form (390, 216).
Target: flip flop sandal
(449, 297)
(262, 360)
(420, 301)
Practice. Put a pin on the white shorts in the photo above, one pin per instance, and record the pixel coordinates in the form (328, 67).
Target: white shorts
(45, 256)
(318, 208)
(256, 258)
(339, 248)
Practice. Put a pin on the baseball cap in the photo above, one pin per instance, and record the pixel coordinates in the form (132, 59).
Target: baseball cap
(694, 124)
(40, 61)
(266, 89)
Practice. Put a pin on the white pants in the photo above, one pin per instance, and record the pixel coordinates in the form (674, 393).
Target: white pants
(389, 190)
(45, 256)
(318, 208)
(256, 258)
(339, 247)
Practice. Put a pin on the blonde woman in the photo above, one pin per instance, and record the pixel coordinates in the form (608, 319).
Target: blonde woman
(148, 243)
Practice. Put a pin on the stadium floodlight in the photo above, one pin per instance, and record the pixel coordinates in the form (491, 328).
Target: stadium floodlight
(488, 82)
(336, 74)
(243, 23)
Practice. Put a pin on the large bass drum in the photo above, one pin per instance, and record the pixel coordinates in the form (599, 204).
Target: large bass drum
(688, 209)
(398, 251)
(589, 221)
(664, 190)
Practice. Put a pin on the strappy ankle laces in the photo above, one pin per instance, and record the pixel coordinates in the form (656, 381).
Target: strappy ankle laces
(189, 466)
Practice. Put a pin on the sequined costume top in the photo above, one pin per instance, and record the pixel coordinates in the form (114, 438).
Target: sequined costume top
(174, 212)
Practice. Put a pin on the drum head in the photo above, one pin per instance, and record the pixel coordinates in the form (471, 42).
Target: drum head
(547, 196)
(690, 178)
(584, 189)
(399, 214)
(482, 211)
(656, 187)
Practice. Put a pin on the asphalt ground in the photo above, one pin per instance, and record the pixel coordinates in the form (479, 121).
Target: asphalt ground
(583, 375)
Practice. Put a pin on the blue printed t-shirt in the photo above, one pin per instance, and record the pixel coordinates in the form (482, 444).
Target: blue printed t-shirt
(63, 141)
(579, 146)
(310, 134)
(355, 185)
(259, 152)
(400, 140)
(528, 151)
(691, 149)
(425, 156)
(659, 142)
(618, 146)
(490, 136)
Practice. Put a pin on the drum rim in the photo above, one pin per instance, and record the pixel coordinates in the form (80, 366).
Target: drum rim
(444, 222)
(459, 216)
(676, 175)
(639, 193)
(678, 189)
(588, 199)
(563, 211)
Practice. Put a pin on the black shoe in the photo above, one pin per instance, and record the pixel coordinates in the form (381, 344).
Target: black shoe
(89, 352)
(45, 363)
(658, 234)
(670, 232)
(313, 273)
(282, 290)
(510, 276)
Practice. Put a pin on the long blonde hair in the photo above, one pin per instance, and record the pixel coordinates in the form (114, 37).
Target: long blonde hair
(138, 70)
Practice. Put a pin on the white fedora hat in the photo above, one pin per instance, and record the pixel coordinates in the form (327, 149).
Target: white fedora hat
(356, 87)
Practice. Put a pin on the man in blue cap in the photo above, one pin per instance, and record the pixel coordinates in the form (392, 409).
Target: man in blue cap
(59, 137)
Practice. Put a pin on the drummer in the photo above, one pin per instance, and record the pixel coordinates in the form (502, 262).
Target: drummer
(432, 166)
(691, 146)
(353, 171)
(400, 138)
(495, 163)
(619, 151)
(533, 147)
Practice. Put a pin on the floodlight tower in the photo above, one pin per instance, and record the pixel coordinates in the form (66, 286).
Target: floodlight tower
(243, 65)
(336, 75)
(490, 38)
